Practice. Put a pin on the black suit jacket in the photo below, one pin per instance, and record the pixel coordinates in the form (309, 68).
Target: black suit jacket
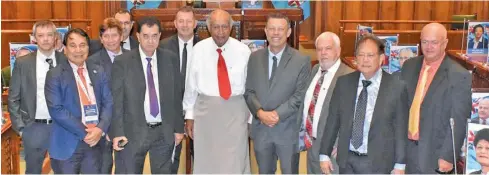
(128, 89)
(102, 58)
(448, 96)
(388, 129)
(96, 45)
(22, 90)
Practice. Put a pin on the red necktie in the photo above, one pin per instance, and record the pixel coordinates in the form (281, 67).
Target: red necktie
(222, 77)
(310, 112)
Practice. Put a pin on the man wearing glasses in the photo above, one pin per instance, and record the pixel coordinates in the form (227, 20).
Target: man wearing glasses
(439, 91)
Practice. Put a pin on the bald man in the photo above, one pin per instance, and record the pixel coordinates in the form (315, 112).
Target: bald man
(483, 112)
(214, 105)
(439, 89)
(323, 76)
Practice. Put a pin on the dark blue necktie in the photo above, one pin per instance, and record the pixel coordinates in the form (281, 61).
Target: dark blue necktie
(360, 110)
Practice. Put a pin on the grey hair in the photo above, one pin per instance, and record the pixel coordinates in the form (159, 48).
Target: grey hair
(208, 21)
(43, 23)
(335, 38)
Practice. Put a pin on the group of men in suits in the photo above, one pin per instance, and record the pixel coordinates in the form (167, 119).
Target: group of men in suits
(106, 95)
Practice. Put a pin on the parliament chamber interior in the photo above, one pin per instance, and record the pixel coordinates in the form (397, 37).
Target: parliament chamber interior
(398, 23)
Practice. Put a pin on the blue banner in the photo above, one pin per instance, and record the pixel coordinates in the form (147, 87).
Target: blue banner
(286, 4)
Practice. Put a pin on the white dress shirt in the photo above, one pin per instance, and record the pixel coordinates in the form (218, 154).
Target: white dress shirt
(476, 43)
(154, 70)
(327, 79)
(202, 71)
(42, 68)
(190, 46)
(112, 55)
(89, 88)
(127, 43)
(270, 60)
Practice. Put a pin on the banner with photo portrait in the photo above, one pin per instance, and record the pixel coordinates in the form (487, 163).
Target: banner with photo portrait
(389, 41)
(399, 54)
(477, 141)
(20, 49)
(478, 41)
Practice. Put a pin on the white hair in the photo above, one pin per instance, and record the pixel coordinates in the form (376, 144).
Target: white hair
(336, 39)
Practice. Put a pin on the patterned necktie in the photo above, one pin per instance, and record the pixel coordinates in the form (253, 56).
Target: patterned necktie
(414, 111)
(50, 62)
(222, 77)
(310, 112)
(360, 111)
(153, 99)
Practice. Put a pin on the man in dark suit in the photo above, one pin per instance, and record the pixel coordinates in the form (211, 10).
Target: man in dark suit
(483, 112)
(147, 103)
(26, 101)
(275, 86)
(314, 109)
(110, 36)
(439, 90)
(479, 42)
(79, 100)
(128, 42)
(368, 114)
(182, 43)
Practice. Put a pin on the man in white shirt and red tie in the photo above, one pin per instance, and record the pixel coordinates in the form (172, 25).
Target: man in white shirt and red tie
(214, 99)
(79, 101)
(314, 109)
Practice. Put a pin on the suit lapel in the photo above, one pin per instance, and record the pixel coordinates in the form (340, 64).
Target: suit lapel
(351, 99)
(134, 43)
(382, 96)
(139, 74)
(264, 63)
(164, 76)
(70, 81)
(286, 56)
(438, 78)
(414, 79)
(32, 79)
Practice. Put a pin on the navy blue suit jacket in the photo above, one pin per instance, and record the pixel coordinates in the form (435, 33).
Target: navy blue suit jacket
(64, 107)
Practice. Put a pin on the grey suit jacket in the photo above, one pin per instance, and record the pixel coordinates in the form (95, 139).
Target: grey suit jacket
(448, 96)
(387, 136)
(102, 58)
(284, 94)
(128, 90)
(171, 43)
(22, 90)
(342, 70)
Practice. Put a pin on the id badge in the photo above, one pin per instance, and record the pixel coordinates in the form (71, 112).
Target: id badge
(91, 113)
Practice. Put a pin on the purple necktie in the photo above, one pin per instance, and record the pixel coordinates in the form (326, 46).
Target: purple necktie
(153, 100)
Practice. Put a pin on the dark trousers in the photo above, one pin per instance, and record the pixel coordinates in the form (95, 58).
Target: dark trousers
(107, 159)
(267, 153)
(134, 154)
(85, 160)
(358, 165)
(178, 151)
(35, 139)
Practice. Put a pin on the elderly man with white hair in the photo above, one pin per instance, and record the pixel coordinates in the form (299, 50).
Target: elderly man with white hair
(214, 105)
(314, 109)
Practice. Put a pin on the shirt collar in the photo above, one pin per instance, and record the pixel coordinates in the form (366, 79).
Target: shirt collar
(375, 79)
(144, 56)
(112, 54)
(224, 47)
(127, 39)
(480, 39)
(75, 67)
(190, 41)
(278, 55)
(42, 58)
(334, 68)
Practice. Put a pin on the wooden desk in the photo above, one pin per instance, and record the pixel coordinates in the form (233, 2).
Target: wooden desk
(480, 72)
(10, 150)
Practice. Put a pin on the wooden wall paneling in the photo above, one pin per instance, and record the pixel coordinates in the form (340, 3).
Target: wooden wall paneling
(320, 18)
(61, 11)
(387, 12)
(423, 11)
(334, 11)
(405, 11)
(307, 26)
(478, 7)
(352, 10)
(42, 9)
(462, 7)
(442, 10)
(7, 12)
(485, 13)
(24, 10)
(370, 11)
(78, 10)
(96, 8)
